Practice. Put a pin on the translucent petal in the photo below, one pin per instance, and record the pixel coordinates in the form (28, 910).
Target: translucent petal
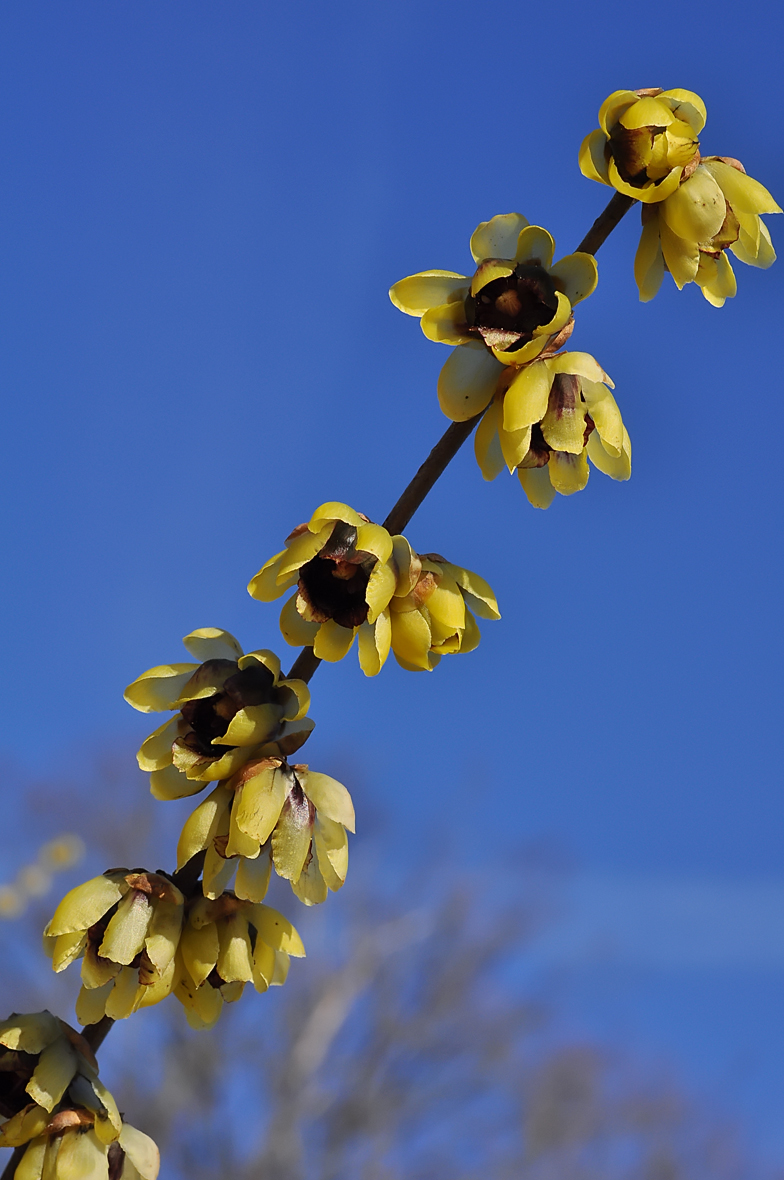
(333, 641)
(91, 1003)
(467, 382)
(163, 933)
(563, 426)
(32, 1163)
(498, 237)
(159, 688)
(67, 948)
(568, 473)
(30, 1032)
(85, 905)
(53, 1073)
(759, 253)
(250, 726)
(259, 801)
(374, 642)
(240, 844)
(331, 511)
(291, 838)
(380, 588)
(686, 105)
(646, 112)
(717, 281)
(124, 937)
(536, 485)
(418, 293)
(536, 246)
(651, 193)
(374, 538)
(297, 631)
(697, 209)
(576, 276)
(302, 548)
(407, 563)
(126, 994)
(311, 887)
(529, 351)
(579, 364)
(210, 643)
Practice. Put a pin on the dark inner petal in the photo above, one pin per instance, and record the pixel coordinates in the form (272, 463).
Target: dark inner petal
(632, 150)
(506, 312)
(209, 717)
(334, 582)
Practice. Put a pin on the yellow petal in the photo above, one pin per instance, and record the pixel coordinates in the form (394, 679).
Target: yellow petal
(291, 838)
(276, 931)
(682, 258)
(686, 105)
(30, 1032)
(374, 538)
(469, 640)
(265, 585)
(333, 641)
(67, 948)
(333, 510)
(446, 324)
(614, 106)
(568, 473)
(126, 994)
(606, 416)
(536, 485)
(311, 888)
(239, 843)
(563, 426)
(418, 293)
(576, 275)
(717, 279)
(262, 656)
(91, 1003)
(651, 193)
(467, 382)
(302, 548)
(253, 876)
(535, 246)
(525, 401)
(528, 352)
(141, 1151)
(259, 801)
(411, 639)
(200, 949)
(210, 643)
(697, 209)
(617, 467)
(235, 954)
(487, 442)
(85, 905)
(82, 1156)
(332, 851)
(163, 934)
(52, 1075)
(754, 251)
(446, 607)
(159, 688)
(156, 751)
(745, 194)
(476, 591)
(297, 631)
(592, 158)
(374, 642)
(250, 726)
(124, 936)
(649, 261)
(201, 826)
(31, 1165)
(329, 797)
(646, 112)
(497, 238)
(171, 783)
(380, 588)
(263, 965)
(579, 364)
(407, 564)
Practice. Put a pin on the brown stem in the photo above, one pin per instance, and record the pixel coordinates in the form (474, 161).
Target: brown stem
(95, 1034)
(605, 223)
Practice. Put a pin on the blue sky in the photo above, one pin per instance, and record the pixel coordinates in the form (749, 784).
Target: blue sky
(203, 207)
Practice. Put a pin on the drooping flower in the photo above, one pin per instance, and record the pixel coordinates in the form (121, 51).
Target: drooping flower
(341, 565)
(646, 143)
(272, 814)
(353, 579)
(546, 420)
(125, 925)
(516, 306)
(430, 612)
(716, 209)
(226, 943)
(228, 706)
(52, 1099)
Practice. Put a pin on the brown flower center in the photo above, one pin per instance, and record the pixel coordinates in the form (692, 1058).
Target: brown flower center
(506, 312)
(334, 582)
(209, 717)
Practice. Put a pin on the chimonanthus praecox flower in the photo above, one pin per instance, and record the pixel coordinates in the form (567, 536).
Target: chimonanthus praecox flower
(126, 926)
(228, 707)
(52, 1100)
(546, 420)
(268, 814)
(694, 208)
(353, 578)
(517, 306)
(225, 944)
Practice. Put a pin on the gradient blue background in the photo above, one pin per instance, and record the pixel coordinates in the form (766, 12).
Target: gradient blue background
(201, 209)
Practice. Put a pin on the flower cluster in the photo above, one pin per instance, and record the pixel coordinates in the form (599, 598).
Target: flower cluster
(226, 943)
(125, 925)
(353, 579)
(695, 207)
(516, 307)
(52, 1101)
(229, 707)
(269, 814)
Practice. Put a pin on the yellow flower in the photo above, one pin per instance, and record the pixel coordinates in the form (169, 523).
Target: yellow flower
(229, 706)
(430, 609)
(268, 814)
(646, 142)
(546, 420)
(516, 307)
(226, 943)
(353, 578)
(341, 564)
(125, 926)
(716, 208)
(53, 1100)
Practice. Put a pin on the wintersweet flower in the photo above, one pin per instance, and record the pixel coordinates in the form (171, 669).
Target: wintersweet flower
(716, 209)
(340, 563)
(228, 706)
(269, 814)
(52, 1100)
(125, 925)
(516, 306)
(430, 612)
(226, 943)
(647, 142)
(546, 420)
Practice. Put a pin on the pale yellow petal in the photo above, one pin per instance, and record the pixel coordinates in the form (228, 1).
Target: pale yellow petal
(331, 511)
(91, 1003)
(536, 485)
(649, 261)
(498, 237)
(563, 426)
(163, 934)
(525, 401)
(615, 105)
(446, 324)
(686, 105)
(29, 1032)
(297, 631)
(329, 797)
(291, 838)
(141, 1151)
(380, 588)
(67, 948)
(411, 639)
(85, 905)
(276, 931)
(697, 209)
(579, 364)
(374, 538)
(333, 641)
(535, 247)
(259, 801)
(159, 688)
(156, 751)
(210, 643)
(745, 194)
(235, 953)
(265, 586)
(576, 275)
(617, 467)
(681, 257)
(171, 783)
(82, 1156)
(477, 590)
(250, 726)
(200, 949)
(253, 876)
(592, 158)
(467, 382)
(418, 293)
(53, 1073)
(487, 443)
(568, 472)
(606, 416)
(126, 994)
(304, 547)
(124, 936)
(202, 824)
